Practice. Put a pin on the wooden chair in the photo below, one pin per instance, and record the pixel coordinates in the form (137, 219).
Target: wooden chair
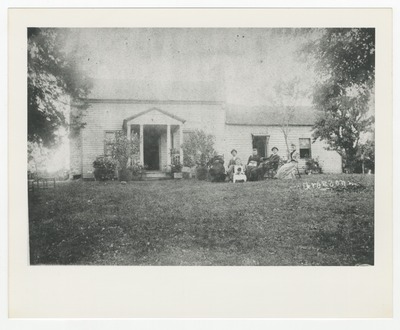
(271, 172)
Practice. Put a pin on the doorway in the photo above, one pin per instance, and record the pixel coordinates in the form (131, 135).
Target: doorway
(151, 146)
(260, 142)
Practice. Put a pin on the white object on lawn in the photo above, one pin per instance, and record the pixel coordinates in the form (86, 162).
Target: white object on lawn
(238, 174)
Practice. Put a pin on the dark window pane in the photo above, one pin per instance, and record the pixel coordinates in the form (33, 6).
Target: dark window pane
(305, 153)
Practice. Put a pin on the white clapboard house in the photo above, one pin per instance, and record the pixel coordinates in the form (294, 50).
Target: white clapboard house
(162, 114)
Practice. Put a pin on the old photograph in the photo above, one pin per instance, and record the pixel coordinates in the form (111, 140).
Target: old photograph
(201, 146)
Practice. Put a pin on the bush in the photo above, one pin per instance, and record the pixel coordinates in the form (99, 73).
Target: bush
(104, 168)
(186, 175)
(198, 148)
(136, 170)
(122, 148)
(366, 160)
(201, 172)
(124, 174)
(312, 166)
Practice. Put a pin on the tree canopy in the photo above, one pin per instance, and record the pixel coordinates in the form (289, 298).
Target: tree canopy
(54, 81)
(345, 60)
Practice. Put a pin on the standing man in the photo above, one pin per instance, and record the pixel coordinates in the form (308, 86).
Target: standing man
(252, 165)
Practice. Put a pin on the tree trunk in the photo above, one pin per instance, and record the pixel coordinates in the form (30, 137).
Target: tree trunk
(350, 161)
(285, 135)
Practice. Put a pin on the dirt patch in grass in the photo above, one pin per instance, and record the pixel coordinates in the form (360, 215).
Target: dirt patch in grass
(188, 222)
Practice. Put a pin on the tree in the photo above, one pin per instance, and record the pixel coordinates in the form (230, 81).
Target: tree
(54, 81)
(345, 60)
(285, 101)
(198, 148)
(37, 158)
(367, 156)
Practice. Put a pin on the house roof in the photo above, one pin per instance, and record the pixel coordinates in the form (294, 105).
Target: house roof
(195, 91)
(128, 89)
(267, 115)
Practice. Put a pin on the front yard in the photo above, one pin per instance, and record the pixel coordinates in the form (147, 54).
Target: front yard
(191, 222)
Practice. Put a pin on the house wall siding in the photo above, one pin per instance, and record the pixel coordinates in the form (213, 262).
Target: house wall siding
(329, 160)
(75, 147)
(239, 137)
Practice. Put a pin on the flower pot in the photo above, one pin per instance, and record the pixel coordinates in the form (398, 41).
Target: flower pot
(178, 175)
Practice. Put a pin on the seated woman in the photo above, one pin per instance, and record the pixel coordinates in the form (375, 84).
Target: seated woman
(232, 162)
(252, 166)
(217, 169)
(271, 163)
(288, 170)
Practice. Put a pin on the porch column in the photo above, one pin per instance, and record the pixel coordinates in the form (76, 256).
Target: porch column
(128, 131)
(180, 142)
(168, 144)
(128, 136)
(141, 150)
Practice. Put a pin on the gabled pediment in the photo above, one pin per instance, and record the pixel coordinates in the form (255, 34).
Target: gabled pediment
(153, 116)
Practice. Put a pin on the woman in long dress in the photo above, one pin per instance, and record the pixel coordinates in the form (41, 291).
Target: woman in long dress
(288, 170)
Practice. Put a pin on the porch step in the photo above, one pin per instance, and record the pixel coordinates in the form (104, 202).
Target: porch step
(155, 175)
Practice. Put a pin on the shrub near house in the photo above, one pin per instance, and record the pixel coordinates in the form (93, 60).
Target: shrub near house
(121, 151)
(198, 150)
(104, 168)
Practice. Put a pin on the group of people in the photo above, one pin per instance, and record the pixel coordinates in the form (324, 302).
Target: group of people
(257, 166)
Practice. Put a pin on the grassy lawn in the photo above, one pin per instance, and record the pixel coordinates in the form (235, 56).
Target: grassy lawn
(191, 222)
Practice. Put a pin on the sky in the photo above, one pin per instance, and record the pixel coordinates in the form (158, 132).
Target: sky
(246, 62)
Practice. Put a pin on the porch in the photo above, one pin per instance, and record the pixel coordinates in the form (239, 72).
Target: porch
(161, 137)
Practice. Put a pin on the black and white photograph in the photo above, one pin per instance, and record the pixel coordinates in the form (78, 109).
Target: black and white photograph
(201, 146)
(200, 164)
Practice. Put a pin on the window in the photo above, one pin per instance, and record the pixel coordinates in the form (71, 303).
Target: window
(305, 148)
(108, 142)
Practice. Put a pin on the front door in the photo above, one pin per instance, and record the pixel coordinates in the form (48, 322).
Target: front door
(151, 146)
(261, 143)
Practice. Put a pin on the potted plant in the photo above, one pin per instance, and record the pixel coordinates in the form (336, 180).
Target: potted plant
(176, 170)
(137, 170)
